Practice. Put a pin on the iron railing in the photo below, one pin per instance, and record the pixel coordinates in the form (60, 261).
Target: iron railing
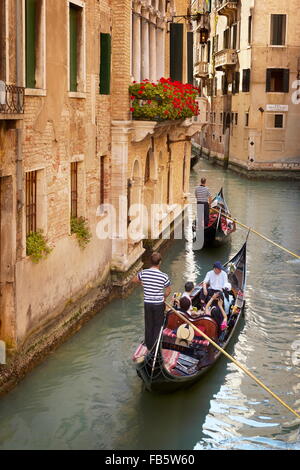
(11, 99)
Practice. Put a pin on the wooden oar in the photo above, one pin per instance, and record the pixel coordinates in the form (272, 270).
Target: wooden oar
(237, 363)
(257, 233)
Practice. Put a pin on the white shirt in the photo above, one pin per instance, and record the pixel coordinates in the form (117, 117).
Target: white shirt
(216, 281)
(186, 294)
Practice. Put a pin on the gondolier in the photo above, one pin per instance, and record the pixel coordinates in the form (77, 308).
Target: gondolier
(203, 196)
(156, 285)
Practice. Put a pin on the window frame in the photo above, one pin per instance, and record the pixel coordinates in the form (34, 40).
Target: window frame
(285, 33)
(40, 54)
(81, 64)
(285, 80)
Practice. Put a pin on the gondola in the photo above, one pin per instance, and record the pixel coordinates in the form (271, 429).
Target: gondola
(219, 228)
(175, 363)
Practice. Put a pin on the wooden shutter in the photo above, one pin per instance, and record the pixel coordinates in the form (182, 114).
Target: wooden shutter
(268, 80)
(246, 80)
(278, 30)
(73, 47)
(190, 58)
(105, 63)
(286, 80)
(30, 20)
(176, 51)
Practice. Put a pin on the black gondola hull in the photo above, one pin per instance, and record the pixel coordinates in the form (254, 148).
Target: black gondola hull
(155, 375)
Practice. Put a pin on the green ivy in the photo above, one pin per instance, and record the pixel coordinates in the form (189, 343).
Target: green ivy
(80, 228)
(37, 247)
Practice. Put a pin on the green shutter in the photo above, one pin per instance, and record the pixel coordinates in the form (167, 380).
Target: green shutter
(30, 42)
(73, 47)
(190, 57)
(105, 63)
(176, 51)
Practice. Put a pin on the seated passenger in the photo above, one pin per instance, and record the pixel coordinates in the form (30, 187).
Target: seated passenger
(185, 305)
(217, 280)
(189, 287)
(215, 309)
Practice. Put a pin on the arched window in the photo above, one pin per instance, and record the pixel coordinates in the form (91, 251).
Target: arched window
(148, 167)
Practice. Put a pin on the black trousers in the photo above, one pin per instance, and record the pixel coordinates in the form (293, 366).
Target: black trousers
(206, 212)
(154, 317)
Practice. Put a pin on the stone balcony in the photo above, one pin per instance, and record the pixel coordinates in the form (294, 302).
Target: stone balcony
(11, 101)
(228, 9)
(201, 70)
(225, 59)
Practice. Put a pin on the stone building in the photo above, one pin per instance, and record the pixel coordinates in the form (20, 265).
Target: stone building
(68, 146)
(249, 70)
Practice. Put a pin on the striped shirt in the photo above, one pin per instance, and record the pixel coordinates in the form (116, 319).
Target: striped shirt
(202, 194)
(154, 282)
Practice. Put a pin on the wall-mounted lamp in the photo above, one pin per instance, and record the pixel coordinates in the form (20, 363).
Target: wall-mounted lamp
(261, 110)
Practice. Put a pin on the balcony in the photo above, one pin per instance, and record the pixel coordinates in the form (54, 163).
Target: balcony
(225, 59)
(11, 101)
(228, 9)
(201, 70)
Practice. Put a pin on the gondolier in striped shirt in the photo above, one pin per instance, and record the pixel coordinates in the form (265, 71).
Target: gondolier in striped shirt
(203, 196)
(156, 285)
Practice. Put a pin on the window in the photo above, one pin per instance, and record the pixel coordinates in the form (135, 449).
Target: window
(215, 44)
(236, 83)
(249, 29)
(35, 44)
(246, 119)
(278, 121)
(236, 118)
(278, 30)
(224, 85)
(246, 80)
(176, 51)
(215, 86)
(274, 121)
(234, 36)
(208, 51)
(105, 63)
(31, 201)
(277, 80)
(226, 39)
(221, 118)
(147, 168)
(76, 47)
(74, 189)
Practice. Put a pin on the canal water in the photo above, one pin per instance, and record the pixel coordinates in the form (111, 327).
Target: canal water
(87, 394)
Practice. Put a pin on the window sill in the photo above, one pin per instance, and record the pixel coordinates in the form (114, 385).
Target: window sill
(277, 45)
(35, 92)
(77, 94)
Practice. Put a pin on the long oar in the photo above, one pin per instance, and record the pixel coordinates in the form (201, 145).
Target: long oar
(257, 233)
(237, 363)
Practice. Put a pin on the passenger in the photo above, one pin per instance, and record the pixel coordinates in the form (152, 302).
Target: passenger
(215, 309)
(189, 287)
(217, 280)
(185, 304)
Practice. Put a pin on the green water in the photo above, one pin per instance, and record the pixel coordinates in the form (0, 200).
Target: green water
(87, 394)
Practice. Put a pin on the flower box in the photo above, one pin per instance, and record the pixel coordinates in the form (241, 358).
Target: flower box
(162, 101)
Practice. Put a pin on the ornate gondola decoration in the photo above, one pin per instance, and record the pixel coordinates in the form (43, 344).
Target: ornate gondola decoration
(179, 359)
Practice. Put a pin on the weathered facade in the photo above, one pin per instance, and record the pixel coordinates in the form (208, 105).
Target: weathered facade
(250, 70)
(68, 145)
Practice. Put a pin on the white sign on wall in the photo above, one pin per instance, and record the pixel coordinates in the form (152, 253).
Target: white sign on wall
(277, 107)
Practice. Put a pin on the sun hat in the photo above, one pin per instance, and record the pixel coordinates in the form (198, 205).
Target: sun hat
(186, 332)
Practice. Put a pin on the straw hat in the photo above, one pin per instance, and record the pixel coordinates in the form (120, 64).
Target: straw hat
(186, 332)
